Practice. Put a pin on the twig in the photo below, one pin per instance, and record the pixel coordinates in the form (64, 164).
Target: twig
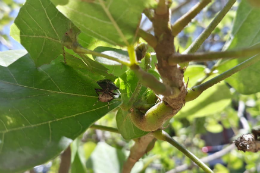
(204, 159)
(178, 26)
(149, 38)
(197, 90)
(65, 161)
(151, 82)
(162, 135)
(104, 128)
(86, 51)
(132, 56)
(205, 34)
(175, 58)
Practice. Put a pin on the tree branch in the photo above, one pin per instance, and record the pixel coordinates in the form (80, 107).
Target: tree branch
(104, 128)
(149, 38)
(162, 7)
(140, 147)
(204, 159)
(65, 161)
(151, 82)
(162, 135)
(178, 26)
(205, 34)
(175, 59)
(197, 90)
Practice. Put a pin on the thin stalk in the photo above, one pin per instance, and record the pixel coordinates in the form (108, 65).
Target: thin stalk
(86, 51)
(206, 33)
(149, 38)
(132, 56)
(151, 82)
(104, 128)
(197, 90)
(209, 56)
(178, 26)
(162, 135)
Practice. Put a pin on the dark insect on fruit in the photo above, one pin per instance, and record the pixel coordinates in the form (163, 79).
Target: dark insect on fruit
(106, 94)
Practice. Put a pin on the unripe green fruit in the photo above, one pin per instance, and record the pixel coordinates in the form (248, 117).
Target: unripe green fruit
(153, 119)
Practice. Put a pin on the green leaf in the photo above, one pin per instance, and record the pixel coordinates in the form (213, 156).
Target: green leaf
(126, 127)
(245, 33)
(113, 21)
(106, 159)
(40, 28)
(220, 168)
(213, 126)
(43, 109)
(211, 101)
(83, 61)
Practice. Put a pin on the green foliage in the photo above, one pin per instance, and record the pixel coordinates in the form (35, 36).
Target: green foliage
(42, 34)
(244, 34)
(41, 103)
(119, 19)
(211, 101)
(48, 96)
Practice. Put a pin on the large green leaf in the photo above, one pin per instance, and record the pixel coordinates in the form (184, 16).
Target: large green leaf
(113, 21)
(43, 109)
(40, 28)
(211, 101)
(245, 33)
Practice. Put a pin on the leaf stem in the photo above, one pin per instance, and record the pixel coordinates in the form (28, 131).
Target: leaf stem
(104, 128)
(180, 58)
(178, 26)
(131, 54)
(205, 34)
(149, 38)
(151, 82)
(197, 90)
(86, 51)
(162, 135)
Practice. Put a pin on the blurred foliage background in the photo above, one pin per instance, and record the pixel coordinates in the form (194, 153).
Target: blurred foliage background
(203, 133)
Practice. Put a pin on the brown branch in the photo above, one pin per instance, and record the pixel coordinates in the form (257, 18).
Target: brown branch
(162, 7)
(65, 161)
(140, 147)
